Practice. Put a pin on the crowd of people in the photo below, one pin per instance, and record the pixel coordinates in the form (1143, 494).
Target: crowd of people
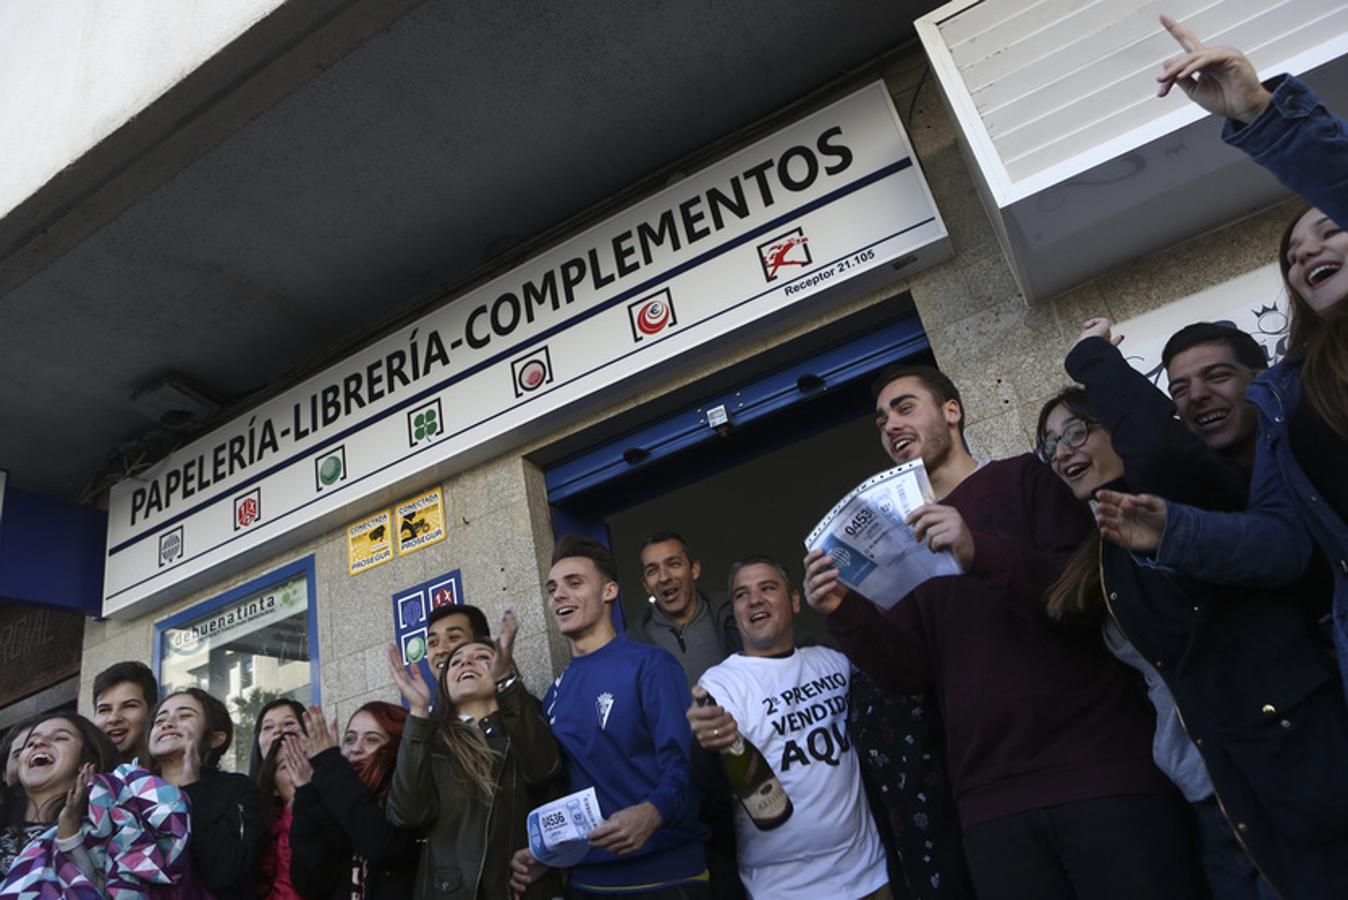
(1134, 689)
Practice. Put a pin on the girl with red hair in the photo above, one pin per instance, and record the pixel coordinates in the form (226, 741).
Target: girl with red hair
(342, 845)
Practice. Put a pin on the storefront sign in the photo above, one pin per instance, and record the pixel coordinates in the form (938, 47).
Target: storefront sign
(237, 619)
(833, 196)
(369, 542)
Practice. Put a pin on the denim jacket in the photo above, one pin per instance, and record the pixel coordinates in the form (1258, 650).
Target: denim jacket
(1306, 147)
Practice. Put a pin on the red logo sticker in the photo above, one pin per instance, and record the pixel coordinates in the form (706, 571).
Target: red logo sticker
(651, 315)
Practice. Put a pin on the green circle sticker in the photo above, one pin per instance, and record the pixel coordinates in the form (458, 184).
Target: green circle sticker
(416, 649)
(330, 470)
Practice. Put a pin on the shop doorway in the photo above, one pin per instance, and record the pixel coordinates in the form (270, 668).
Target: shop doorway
(799, 435)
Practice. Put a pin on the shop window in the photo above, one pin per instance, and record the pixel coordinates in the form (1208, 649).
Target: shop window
(249, 646)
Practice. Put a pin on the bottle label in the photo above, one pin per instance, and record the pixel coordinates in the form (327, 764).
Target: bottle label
(768, 801)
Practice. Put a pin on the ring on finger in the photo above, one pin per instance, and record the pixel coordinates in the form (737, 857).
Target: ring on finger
(716, 732)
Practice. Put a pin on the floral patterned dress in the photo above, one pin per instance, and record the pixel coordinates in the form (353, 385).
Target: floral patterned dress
(901, 744)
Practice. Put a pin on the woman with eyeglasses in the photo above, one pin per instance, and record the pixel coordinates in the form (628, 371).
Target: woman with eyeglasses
(1250, 726)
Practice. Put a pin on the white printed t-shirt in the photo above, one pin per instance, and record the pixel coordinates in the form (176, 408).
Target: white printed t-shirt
(794, 710)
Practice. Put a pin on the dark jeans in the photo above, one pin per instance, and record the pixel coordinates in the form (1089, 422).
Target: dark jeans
(1231, 874)
(1111, 848)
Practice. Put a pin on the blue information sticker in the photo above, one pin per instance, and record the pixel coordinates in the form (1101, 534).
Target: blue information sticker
(853, 565)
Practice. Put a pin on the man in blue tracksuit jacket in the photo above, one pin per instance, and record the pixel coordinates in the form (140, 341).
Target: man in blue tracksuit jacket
(618, 713)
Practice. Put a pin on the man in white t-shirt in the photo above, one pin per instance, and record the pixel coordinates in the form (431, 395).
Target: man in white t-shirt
(791, 703)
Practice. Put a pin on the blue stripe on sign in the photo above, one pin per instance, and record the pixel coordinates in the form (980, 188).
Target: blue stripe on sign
(597, 368)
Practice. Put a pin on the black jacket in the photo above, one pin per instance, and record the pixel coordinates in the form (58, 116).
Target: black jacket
(1256, 691)
(229, 822)
(337, 817)
(469, 838)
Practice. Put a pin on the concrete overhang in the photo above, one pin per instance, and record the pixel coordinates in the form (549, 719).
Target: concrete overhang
(340, 165)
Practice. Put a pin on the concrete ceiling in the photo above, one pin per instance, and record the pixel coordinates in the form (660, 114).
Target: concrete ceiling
(431, 148)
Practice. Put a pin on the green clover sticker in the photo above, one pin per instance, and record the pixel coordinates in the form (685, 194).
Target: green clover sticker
(426, 424)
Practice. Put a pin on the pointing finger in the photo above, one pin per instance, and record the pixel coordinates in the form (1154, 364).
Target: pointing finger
(1187, 39)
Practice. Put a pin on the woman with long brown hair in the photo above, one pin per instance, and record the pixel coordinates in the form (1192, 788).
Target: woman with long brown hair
(469, 777)
(60, 753)
(1299, 493)
(342, 844)
(190, 732)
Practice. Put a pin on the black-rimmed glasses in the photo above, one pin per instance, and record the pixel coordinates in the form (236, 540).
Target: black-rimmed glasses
(1074, 435)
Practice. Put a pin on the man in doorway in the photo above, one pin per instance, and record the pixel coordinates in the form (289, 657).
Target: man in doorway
(699, 633)
(680, 618)
(449, 626)
(124, 694)
(1209, 367)
(618, 713)
(1048, 741)
(791, 703)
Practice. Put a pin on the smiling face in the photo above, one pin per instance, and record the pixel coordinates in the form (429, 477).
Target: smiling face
(122, 713)
(363, 737)
(1087, 467)
(178, 723)
(277, 721)
(50, 756)
(765, 609)
(912, 424)
(579, 596)
(469, 673)
(671, 578)
(1316, 251)
(444, 635)
(1208, 386)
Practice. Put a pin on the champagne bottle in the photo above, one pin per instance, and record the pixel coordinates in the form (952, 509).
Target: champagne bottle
(751, 778)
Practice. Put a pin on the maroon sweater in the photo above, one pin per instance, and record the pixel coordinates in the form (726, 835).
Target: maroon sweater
(1036, 714)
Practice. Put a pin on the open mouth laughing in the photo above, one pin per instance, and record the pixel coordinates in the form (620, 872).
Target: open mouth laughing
(1210, 419)
(900, 444)
(1073, 471)
(1321, 273)
(41, 759)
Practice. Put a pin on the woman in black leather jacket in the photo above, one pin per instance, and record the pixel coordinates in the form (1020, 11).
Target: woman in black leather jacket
(469, 777)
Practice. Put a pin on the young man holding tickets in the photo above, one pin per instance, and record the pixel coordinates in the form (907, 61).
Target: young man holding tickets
(1048, 741)
(618, 713)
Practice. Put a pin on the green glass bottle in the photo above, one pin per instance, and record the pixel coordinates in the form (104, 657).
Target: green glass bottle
(751, 778)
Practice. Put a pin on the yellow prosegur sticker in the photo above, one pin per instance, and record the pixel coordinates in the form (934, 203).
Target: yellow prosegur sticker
(369, 542)
(421, 521)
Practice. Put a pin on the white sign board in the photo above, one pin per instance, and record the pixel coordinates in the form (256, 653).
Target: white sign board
(1255, 302)
(824, 200)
